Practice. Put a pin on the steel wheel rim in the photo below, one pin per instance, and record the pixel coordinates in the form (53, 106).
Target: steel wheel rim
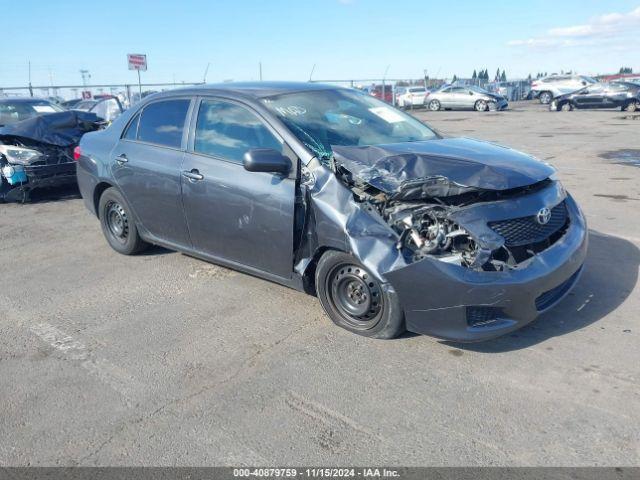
(481, 106)
(434, 105)
(355, 296)
(117, 221)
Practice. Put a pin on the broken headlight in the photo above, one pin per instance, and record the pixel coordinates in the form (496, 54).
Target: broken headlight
(19, 155)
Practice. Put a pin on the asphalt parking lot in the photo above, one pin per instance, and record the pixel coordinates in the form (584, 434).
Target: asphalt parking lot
(163, 359)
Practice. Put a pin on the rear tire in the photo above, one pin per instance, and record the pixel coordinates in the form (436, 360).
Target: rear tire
(434, 105)
(355, 300)
(118, 225)
(566, 107)
(545, 98)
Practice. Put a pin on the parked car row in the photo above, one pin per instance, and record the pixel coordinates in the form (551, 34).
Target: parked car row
(450, 97)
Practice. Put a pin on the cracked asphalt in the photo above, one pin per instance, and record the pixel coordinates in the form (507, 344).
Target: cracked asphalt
(162, 359)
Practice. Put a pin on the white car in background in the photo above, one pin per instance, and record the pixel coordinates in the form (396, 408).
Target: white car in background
(408, 97)
(545, 89)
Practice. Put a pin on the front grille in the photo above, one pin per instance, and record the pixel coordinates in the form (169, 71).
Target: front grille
(548, 298)
(526, 230)
(482, 316)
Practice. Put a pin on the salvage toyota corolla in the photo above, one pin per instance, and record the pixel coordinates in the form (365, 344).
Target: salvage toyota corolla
(335, 193)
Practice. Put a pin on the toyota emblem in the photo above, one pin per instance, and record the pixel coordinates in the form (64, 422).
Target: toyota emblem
(543, 216)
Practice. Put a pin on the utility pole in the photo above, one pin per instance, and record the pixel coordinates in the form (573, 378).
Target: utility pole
(384, 89)
(30, 87)
(206, 70)
(260, 70)
(312, 70)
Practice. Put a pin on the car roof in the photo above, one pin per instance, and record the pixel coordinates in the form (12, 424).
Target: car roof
(23, 100)
(250, 89)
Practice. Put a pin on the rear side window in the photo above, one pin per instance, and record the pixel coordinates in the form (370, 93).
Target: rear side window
(162, 123)
(132, 130)
(227, 130)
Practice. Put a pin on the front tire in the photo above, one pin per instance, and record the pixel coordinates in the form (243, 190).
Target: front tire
(566, 107)
(632, 107)
(545, 98)
(481, 106)
(434, 105)
(355, 300)
(118, 225)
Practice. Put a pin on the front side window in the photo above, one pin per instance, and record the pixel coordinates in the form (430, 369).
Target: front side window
(322, 118)
(227, 130)
(162, 123)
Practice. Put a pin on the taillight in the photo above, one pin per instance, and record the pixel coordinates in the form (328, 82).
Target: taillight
(77, 152)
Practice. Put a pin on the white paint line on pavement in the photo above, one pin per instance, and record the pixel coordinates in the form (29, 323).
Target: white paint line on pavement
(585, 303)
(75, 350)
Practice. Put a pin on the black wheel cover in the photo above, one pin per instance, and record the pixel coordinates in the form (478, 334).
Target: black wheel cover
(117, 222)
(355, 296)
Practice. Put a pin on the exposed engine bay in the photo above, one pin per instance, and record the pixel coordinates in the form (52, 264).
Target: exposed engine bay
(425, 212)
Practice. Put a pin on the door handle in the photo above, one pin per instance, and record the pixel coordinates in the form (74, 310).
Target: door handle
(193, 175)
(121, 159)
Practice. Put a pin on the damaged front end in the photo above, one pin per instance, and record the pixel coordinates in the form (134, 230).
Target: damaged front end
(476, 234)
(432, 203)
(38, 152)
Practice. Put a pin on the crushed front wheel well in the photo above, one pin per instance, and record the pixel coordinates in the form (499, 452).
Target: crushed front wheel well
(309, 275)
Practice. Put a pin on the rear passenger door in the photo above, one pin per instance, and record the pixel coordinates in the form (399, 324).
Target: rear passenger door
(233, 214)
(146, 168)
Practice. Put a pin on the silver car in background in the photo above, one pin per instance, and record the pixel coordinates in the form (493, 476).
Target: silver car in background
(547, 88)
(453, 97)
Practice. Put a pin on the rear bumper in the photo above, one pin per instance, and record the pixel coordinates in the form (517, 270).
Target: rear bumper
(457, 303)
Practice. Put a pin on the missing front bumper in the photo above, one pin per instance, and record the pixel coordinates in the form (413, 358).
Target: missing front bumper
(438, 298)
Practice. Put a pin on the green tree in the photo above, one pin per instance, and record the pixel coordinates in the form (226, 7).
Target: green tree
(455, 79)
(503, 76)
(475, 75)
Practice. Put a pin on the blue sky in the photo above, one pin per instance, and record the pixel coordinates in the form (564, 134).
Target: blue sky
(346, 39)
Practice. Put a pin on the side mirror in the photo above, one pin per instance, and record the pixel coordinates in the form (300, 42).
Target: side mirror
(266, 160)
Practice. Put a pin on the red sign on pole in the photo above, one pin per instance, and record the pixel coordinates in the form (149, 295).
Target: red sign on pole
(137, 61)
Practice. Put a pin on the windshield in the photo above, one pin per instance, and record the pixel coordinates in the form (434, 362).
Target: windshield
(478, 89)
(85, 105)
(13, 112)
(322, 118)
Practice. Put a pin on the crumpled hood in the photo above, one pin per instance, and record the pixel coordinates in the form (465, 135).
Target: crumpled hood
(446, 166)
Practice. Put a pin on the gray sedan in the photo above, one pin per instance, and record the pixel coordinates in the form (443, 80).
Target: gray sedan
(333, 192)
(465, 98)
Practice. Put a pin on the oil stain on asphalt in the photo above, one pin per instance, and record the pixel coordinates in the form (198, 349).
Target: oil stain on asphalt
(626, 156)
